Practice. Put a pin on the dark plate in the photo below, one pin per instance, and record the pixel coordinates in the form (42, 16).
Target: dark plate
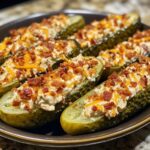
(52, 135)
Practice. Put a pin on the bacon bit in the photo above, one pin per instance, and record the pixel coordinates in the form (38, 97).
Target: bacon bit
(79, 34)
(128, 46)
(123, 84)
(59, 90)
(143, 81)
(94, 108)
(115, 22)
(1, 54)
(81, 63)
(63, 71)
(1, 70)
(107, 95)
(72, 65)
(32, 55)
(50, 46)
(27, 107)
(93, 41)
(16, 103)
(58, 84)
(13, 32)
(113, 76)
(138, 35)
(45, 89)
(18, 73)
(109, 83)
(25, 94)
(46, 54)
(52, 93)
(62, 46)
(93, 62)
(78, 70)
(148, 69)
(133, 84)
(125, 72)
(124, 92)
(65, 77)
(39, 81)
(19, 60)
(109, 106)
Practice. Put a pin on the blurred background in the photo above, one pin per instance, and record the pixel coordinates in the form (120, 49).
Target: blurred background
(14, 9)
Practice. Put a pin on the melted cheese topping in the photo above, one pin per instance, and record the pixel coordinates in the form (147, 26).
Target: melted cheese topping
(34, 34)
(95, 32)
(48, 90)
(27, 63)
(111, 97)
(127, 52)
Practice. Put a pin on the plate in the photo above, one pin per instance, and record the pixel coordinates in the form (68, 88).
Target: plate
(51, 135)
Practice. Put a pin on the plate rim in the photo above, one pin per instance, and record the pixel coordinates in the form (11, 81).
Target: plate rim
(77, 142)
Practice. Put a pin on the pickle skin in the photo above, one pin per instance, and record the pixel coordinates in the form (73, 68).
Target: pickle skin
(71, 29)
(109, 42)
(22, 118)
(38, 117)
(73, 127)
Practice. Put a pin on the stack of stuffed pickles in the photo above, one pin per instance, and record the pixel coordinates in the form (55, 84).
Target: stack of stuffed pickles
(60, 66)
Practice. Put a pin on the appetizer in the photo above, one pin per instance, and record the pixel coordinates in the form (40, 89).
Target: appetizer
(59, 26)
(104, 34)
(29, 63)
(125, 53)
(40, 99)
(112, 102)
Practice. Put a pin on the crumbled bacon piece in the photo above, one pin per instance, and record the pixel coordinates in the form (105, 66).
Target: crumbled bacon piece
(107, 95)
(78, 70)
(113, 76)
(123, 85)
(59, 90)
(50, 45)
(1, 54)
(58, 84)
(27, 107)
(52, 93)
(109, 105)
(124, 92)
(39, 81)
(45, 89)
(81, 63)
(19, 60)
(46, 54)
(125, 72)
(93, 62)
(25, 94)
(133, 84)
(18, 73)
(109, 83)
(94, 108)
(32, 55)
(80, 35)
(16, 103)
(1, 70)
